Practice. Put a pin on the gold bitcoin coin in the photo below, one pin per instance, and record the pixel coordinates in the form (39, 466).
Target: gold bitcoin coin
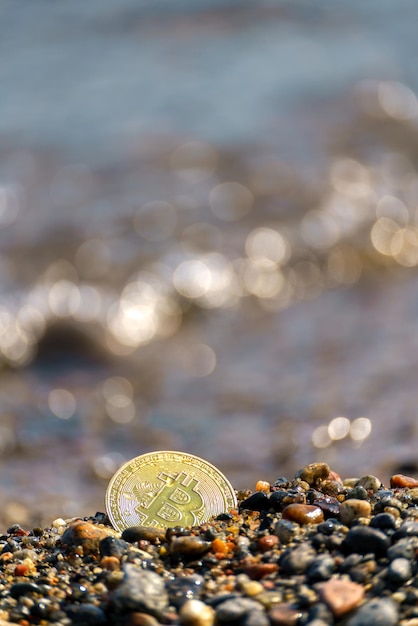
(164, 489)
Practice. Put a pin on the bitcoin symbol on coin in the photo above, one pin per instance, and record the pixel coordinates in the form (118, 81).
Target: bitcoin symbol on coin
(164, 489)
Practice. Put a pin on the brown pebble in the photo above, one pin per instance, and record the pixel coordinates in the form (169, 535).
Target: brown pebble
(303, 514)
(341, 596)
(190, 547)
(313, 473)
(140, 619)
(110, 563)
(85, 534)
(257, 571)
(284, 615)
(266, 543)
(144, 533)
(352, 509)
(399, 480)
(334, 476)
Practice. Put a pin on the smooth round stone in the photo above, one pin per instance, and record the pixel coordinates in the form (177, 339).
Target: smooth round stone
(257, 501)
(140, 533)
(370, 483)
(20, 589)
(353, 509)
(296, 561)
(383, 521)
(141, 590)
(399, 571)
(405, 548)
(86, 614)
(313, 473)
(365, 540)
(381, 612)
(358, 493)
(111, 546)
(189, 547)
(196, 613)
(341, 596)
(85, 534)
(407, 529)
(400, 480)
(303, 514)
(286, 530)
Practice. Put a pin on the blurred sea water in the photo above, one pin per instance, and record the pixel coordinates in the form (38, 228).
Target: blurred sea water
(208, 241)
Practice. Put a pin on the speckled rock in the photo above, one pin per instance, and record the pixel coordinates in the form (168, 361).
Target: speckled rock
(314, 473)
(141, 590)
(352, 509)
(85, 534)
(303, 514)
(370, 483)
(341, 596)
(380, 612)
(286, 530)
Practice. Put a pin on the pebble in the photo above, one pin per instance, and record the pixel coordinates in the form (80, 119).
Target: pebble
(111, 546)
(365, 540)
(399, 481)
(86, 614)
(399, 570)
(314, 473)
(266, 543)
(232, 611)
(370, 483)
(303, 514)
(297, 560)
(85, 534)
(341, 596)
(196, 613)
(184, 588)
(189, 547)
(140, 533)
(380, 612)
(257, 501)
(141, 590)
(322, 568)
(286, 530)
(257, 571)
(285, 615)
(352, 509)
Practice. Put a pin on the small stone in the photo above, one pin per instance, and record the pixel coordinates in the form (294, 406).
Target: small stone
(314, 473)
(140, 619)
(257, 501)
(303, 514)
(284, 615)
(189, 547)
(184, 588)
(86, 614)
(257, 571)
(381, 611)
(58, 523)
(112, 546)
(297, 560)
(405, 548)
(196, 613)
(147, 533)
(322, 568)
(263, 485)
(370, 483)
(22, 589)
(399, 571)
(286, 530)
(383, 521)
(141, 590)
(407, 529)
(365, 540)
(252, 588)
(266, 543)
(399, 481)
(85, 534)
(110, 563)
(232, 611)
(353, 509)
(341, 596)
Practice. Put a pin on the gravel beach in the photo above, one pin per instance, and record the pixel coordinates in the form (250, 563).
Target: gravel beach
(314, 550)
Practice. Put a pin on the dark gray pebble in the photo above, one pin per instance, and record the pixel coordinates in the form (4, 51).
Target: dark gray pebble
(86, 614)
(256, 618)
(20, 589)
(233, 611)
(257, 501)
(111, 546)
(388, 501)
(399, 571)
(376, 613)
(141, 590)
(358, 493)
(404, 548)
(363, 539)
(321, 568)
(383, 521)
(296, 560)
(286, 530)
(407, 529)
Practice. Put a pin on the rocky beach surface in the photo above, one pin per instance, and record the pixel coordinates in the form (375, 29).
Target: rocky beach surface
(316, 550)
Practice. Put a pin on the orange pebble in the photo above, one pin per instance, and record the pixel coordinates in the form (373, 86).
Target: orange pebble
(219, 546)
(257, 571)
(110, 563)
(303, 514)
(263, 485)
(21, 569)
(399, 480)
(268, 542)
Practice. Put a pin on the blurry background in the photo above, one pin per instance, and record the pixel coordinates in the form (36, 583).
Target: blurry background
(209, 241)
